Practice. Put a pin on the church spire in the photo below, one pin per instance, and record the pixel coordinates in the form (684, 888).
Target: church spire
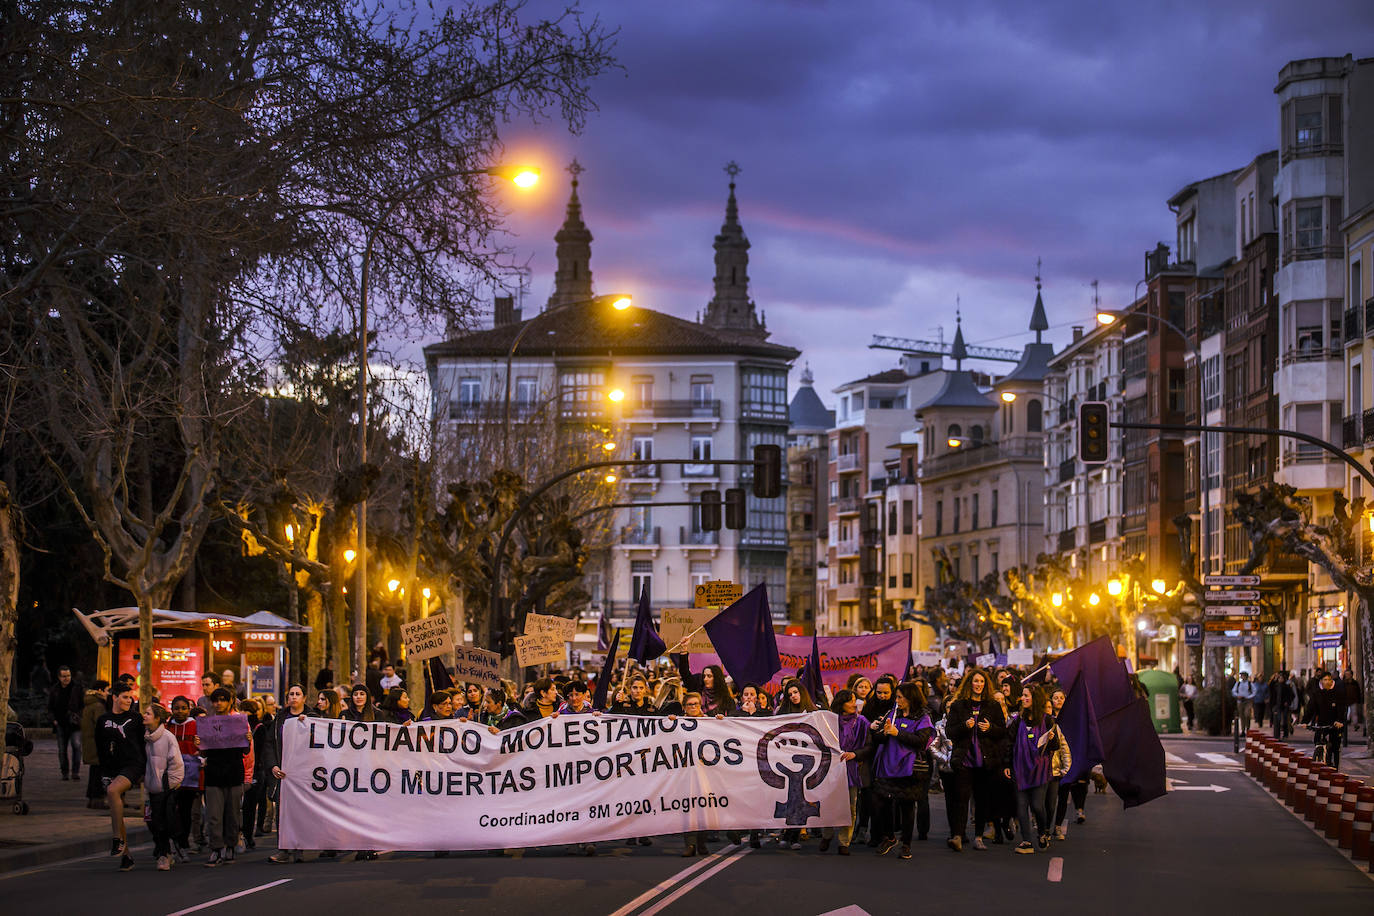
(957, 351)
(572, 281)
(730, 309)
(1038, 322)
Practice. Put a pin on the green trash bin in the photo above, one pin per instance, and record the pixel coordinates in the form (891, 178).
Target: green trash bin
(1163, 699)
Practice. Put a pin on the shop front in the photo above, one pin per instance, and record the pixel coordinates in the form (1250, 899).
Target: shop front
(1328, 641)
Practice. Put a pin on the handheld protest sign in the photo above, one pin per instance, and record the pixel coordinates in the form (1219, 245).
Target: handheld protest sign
(426, 638)
(539, 649)
(217, 732)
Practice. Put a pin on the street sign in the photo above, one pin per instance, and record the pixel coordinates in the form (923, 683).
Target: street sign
(1226, 595)
(1234, 610)
(1221, 639)
(1221, 626)
(1250, 581)
(1192, 634)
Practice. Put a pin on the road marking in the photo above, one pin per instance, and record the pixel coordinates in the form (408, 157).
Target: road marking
(1208, 788)
(1173, 758)
(666, 883)
(1220, 759)
(852, 910)
(218, 900)
(1056, 872)
(704, 876)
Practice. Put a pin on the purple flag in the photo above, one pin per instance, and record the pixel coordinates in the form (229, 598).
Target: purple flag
(810, 675)
(744, 639)
(438, 675)
(1105, 722)
(603, 631)
(645, 643)
(603, 681)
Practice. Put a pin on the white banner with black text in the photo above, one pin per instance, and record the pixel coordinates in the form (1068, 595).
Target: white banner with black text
(569, 779)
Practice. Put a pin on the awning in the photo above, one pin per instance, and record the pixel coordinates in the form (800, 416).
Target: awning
(102, 624)
(1332, 641)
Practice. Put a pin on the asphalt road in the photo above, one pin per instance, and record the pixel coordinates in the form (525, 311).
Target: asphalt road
(1217, 842)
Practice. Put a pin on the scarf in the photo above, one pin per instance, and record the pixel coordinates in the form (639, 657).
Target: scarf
(853, 736)
(975, 752)
(1030, 766)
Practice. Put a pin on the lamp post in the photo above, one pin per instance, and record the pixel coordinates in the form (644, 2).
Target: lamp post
(520, 176)
(618, 301)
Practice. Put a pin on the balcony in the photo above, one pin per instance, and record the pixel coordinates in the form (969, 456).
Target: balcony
(848, 505)
(760, 411)
(1309, 355)
(1066, 469)
(871, 580)
(846, 463)
(689, 538)
(1020, 448)
(1068, 540)
(640, 537)
(1368, 425)
(1369, 316)
(1097, 531)
(698, 470)
(676, 410)
(1350, 432)
(1350, 326)
(642, 472)
(871, 537)
(755, 537)
(848, 548)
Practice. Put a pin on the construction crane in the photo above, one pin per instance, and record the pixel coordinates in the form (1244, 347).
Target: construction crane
(940, 348)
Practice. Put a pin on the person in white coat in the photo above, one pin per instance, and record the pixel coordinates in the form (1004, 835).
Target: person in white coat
(161, 777)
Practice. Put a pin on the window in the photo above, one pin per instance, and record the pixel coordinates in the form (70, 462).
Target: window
(703, 390)
(908, 507)
(580, 392)
(973, 567)
(1309, 320)
(906, 570)
(642, 390)
(939, 516)
(1211, 384)
(641, 578)
(992, 562)
(1244, 223)
(891, 572)
(526, 390)
(1307, 122)
(976, 434)
(1178, 396)
(1356, 283)
(1356, 396)
(469, 393)
(834, 490)
(956, 431)
(701, 451)
(956, 514)
(1035, 416)
(699, 573)
(764, 394)
(641, 517)
(856, 401)
(1308, 419)
(973, 514)
(1308, 220)
(892, 518)
(642, 449)
(994, 508)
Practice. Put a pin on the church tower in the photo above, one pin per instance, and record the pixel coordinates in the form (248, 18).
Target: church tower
(572, 281)
(730, 309)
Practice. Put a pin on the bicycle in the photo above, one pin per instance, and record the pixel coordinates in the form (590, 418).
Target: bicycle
(1321, 743)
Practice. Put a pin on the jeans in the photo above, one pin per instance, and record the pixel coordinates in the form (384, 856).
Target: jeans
(971, 783)
(1283, 723)
(1078, 790)
(222, 807)
(1031, 802)
(161, 818)
(901, 813)
(69, 744)
(187, 804)
(1260, 706)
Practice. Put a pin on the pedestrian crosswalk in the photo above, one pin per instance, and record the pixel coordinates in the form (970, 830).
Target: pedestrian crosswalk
(1201, 760)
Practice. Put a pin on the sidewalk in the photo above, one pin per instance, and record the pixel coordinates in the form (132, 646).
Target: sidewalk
(59, 825)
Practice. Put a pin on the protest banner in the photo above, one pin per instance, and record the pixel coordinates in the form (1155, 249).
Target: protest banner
(476, 666)
(223, 731)
(925, 659)
(574, 779)
(986, 660)
(426, 638)
(841, 656)
(718, 593)
(539, 649)
(564, 627)
(676, 623)
(1020, 657)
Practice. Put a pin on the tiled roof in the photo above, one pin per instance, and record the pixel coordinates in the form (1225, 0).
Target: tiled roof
(959, 390)
(807, 412)
(595, 329)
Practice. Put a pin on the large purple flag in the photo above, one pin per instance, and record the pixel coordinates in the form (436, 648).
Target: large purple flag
(645, 643)
(744, 640)
(810, 675)
(603, 681)
(1105, 722)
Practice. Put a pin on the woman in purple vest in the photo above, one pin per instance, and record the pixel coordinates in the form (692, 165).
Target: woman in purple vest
(1034, 740)
(901, 770)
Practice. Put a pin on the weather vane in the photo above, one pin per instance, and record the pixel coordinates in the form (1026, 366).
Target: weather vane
(732, 169)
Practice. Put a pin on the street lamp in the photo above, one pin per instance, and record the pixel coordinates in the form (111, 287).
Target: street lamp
(618, 301)
(350, 555)
(1159, 586)
(1113, 587)
(1008, 397)
(522, 177)
(1094, 599)
(1057, 599)
(616, 394)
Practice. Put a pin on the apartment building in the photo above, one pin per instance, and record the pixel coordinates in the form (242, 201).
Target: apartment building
(807, 503)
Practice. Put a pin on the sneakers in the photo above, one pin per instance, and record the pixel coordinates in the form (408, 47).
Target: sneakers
(1081, 818)
(886, 846)
(1045, 841)
(825, 844)
(216, 860)
(126, 863)
(118, 847)
(905, 853)
(1023, 848)
(164, 863)
(1060, 834)
(795, 845)
(689, 852)
(980, 844)
(843, 850)
(955, 843)
(282, 857)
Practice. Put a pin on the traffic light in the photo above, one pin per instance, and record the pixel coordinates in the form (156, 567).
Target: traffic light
(767, 471)
(1092, 432)
(710, 510)
(734, 508)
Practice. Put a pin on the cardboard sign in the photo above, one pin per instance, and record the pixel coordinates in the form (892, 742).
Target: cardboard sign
(223, 731)
(427, 637)
(1020, 657)
(718, 593)
(539, 649)
(564, 627)
(925, 659)
(678, 622)
(476, 666)
(986, 660)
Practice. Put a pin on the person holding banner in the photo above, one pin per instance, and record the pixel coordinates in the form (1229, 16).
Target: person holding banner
(473, 695)
(901, 769)
(497, 715)
(578, 702)
(975, 723)
(544, 701)
(224, 779)
(749, 702)
(396, 706)
(637, 703)
(328, 705)
(360, 705)
(295, 709)
(856, 752)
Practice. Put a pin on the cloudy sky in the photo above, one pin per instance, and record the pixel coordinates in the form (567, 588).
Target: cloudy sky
(897, 155)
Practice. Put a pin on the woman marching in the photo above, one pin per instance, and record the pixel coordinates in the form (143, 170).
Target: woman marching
(1034, 739)
(901, 768)
(856, 751)
(975, 724)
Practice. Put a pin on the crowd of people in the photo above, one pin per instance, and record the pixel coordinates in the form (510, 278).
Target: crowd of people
(987, 742)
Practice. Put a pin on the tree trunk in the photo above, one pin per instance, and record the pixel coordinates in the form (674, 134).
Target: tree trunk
(145, 648)
(1365, 624)
(9, 595)
(293, 614)
(339, 646)
(319, 634)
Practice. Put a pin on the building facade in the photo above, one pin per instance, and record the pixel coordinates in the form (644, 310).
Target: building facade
(807, 504)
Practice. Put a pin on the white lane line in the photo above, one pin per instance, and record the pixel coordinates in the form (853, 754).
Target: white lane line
(666, 883)
(852, 910)
(218, 900)
(1220, 759)
(1173, 758)
(704, 876)
(1056, 872)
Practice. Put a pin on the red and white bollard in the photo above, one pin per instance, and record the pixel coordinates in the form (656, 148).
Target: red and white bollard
(1364, 823)
(1335, 792)
(1295, 791)
(1350, 798)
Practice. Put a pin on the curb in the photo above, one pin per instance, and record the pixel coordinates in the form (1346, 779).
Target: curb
(47, 853)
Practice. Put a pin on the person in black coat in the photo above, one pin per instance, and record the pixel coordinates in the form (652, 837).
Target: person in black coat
(65, 703)
(976, 726)
(1326, 715)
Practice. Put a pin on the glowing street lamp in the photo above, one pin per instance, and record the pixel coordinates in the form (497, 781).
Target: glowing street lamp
(611, 478)
(1008, 397)
(290, 533)
(1057, 599)
(1113, 587)
(1094, 599)
(616, 394)
(1159, 586)
(392, 585)
(426, 592)
(609, 446)
(350, 555)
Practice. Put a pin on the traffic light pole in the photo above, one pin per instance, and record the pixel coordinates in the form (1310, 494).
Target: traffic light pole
(494, 599)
